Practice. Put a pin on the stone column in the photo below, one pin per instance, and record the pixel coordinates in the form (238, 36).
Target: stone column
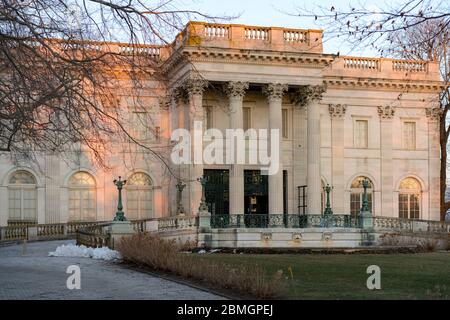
(314, 94)
(236, 93)
(387, 113)
(195, 89)
(434, 149)
(274, 93)
(337, 113)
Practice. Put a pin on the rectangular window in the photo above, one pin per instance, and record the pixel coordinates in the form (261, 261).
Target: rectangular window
(208, 118)
(247, 118)
(361, 134)
(409, 135)
(285, 123)
(139, 125)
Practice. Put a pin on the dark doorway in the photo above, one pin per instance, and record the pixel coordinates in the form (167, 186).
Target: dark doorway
(256, 201)
(217, 191)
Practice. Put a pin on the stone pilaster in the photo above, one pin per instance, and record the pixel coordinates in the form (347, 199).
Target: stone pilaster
(337, 114)
(386, 114)
(434, 116)
(274, 93)
(195, 89)
(52, 190)
(310, 97)
(236, 92)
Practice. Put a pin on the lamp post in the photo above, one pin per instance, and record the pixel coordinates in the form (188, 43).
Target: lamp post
(180, 187)
(328, 210)
(120, 215)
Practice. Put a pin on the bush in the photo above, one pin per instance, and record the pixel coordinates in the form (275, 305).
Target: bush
(161, 255)
(399, 240)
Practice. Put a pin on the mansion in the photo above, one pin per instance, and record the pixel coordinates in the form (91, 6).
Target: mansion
(341, 120)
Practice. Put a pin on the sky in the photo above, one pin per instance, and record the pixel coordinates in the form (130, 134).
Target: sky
(276, 13)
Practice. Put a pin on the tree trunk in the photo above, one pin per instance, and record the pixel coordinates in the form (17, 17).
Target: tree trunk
(443, 142)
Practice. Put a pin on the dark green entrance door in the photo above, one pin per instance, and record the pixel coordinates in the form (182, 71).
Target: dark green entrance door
(217, 191)
(256, 193)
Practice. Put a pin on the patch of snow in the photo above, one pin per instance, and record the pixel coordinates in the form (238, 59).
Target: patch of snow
(73, 251)
(202, 252)
(215, 251)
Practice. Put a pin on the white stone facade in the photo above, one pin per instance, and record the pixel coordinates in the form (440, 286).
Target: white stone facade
(342, 118)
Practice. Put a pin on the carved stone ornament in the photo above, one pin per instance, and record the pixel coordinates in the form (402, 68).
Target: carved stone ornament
(195, 86)
(337, 110)
(307, 94)
(236, 89)
(386, 112)
(275, 90)
(434, 113)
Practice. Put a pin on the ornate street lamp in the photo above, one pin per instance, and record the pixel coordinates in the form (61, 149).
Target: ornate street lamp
(180, 187)
(365, 203)
(328, 210)
(203, 206)
(120, 215)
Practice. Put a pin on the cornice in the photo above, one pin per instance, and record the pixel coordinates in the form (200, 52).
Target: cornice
(199, 54)
(383, 84)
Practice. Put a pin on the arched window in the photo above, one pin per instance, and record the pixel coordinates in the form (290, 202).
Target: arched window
(409, 199)
(139, 197)
(357, 195)
(82, 197)
(22, 196)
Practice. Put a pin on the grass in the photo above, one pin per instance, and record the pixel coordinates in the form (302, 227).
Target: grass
(403, 276)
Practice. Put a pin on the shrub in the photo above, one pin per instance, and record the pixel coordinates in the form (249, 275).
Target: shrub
(161, 255)
(398, 240)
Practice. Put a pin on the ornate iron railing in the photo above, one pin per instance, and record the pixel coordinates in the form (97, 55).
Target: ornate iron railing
(284, 221)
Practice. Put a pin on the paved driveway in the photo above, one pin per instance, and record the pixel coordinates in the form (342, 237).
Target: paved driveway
(37, 276)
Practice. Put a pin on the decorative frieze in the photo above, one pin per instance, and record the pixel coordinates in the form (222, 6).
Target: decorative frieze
(386, 112)
(337, 110)
(275, 90)
(236, 89)
(434, 113)
(307, 94)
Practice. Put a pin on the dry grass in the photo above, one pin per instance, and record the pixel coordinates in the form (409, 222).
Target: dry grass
(157, 254)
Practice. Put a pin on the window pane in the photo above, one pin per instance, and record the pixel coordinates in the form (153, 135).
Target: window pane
(414, 205)
(139, 125)
(361, 134)
(355, 203)
(409, 135)
(22, 177)
(403, 206)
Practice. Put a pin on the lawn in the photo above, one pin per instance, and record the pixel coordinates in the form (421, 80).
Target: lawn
(403, 276)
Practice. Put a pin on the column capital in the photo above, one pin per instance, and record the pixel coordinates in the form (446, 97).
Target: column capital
(195, 86)
(337, 110)
(275, 90)
(386, 112)
(434, 113)
(178, 94)
(307, 94)
(236, 89)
